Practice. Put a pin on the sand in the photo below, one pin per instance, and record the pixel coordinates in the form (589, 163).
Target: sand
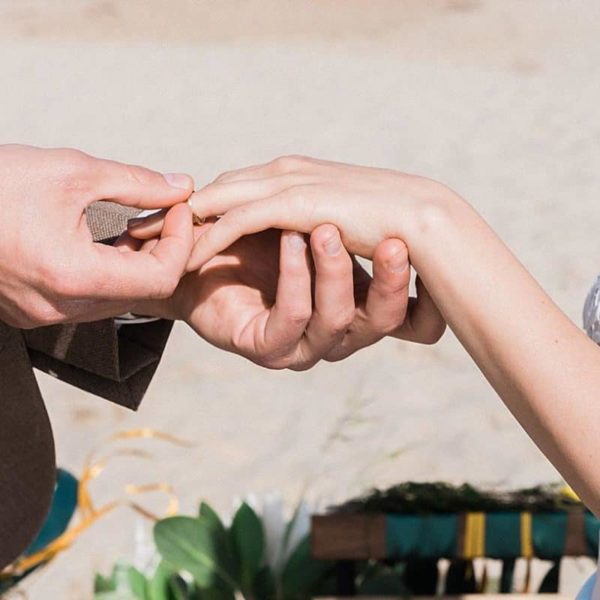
(498, 99)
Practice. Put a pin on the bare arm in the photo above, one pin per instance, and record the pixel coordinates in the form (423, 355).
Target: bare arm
(545, 369)
(541, 364)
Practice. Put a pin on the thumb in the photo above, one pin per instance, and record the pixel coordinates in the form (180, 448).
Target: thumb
(139, 187)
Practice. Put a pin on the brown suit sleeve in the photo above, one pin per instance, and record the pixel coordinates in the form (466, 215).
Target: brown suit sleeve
(116, 363)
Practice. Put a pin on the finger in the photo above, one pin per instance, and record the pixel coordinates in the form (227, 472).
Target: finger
(252, 172)
(144, 228)
(424, 323)
(293, 304)
(217, 198)
(279, 166)
(283, 211)
(334, 295)
(126, 243)
(386, 301)
(147, 275)
(132, 185)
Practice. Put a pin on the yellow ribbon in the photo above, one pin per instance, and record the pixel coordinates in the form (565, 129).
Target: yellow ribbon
(474, 545)
(526, 535)
(88, 513)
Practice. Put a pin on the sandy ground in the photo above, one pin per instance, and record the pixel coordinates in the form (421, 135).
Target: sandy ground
(498, 99)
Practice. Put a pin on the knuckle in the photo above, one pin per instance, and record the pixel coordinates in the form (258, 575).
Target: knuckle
(139, 175)
(72, 156)
(72, 171)
(274, 363)
(299, 315)
(303, 365)
(224, 176)
(342, 320)
(290, 163)
(336, 356)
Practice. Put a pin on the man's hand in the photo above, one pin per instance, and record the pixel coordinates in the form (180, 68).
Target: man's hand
(51, 271)
(271, 300)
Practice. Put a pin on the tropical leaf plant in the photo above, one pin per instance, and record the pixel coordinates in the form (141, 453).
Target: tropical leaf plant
(203, 559)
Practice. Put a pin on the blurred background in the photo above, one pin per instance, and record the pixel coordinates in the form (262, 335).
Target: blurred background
(497, 98)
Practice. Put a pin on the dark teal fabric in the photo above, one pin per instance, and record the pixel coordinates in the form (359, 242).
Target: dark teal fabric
(502, 534)
(549, 533)
(430, 536)
(436, 536)
(61, 511)
(592, 531)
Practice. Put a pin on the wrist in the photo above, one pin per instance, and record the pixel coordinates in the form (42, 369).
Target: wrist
(163, 309)
(435, 211)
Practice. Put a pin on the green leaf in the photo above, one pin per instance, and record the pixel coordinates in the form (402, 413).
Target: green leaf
(137, 583)
(207, 513)
(212, 520)
(158, 586)
(191, 545)
(104, 584)
(125, 581)
(302, 573)
(178, 589)
(247, 540)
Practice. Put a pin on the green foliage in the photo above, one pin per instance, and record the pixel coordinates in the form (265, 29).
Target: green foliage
(124, 583)
(440, 497)
(192, 544)
(202, 559)
(302, 573)
(247, 542)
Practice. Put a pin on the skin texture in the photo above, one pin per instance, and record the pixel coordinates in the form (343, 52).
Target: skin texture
(287, 301)
(284, 300)
(542, 365)
(51, 271)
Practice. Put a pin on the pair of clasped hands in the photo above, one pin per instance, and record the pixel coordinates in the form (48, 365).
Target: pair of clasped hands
(270, 274)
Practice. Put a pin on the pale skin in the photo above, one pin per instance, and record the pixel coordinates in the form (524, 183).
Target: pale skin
(284, 301)
(51, 270)
(541, 364)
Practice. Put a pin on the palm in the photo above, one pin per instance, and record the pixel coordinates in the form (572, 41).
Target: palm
(230, 298)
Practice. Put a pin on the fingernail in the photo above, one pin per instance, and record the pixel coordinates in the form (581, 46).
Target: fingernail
(178, 180)
(297, 242)
(333, 245)
(397, 263)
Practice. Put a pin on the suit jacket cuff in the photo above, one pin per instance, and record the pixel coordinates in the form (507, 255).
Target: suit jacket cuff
(116, 363)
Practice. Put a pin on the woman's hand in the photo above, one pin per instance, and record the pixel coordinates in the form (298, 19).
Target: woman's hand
(301, 194)
(367, 205)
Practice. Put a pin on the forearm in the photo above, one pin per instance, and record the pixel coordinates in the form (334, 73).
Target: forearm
(541, 364)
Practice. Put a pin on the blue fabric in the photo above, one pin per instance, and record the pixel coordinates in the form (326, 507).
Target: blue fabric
(427, 536)
(61, 511)
(502, 534)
